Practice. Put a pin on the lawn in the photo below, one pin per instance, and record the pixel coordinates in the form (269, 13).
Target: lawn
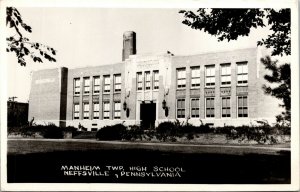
(35, 161)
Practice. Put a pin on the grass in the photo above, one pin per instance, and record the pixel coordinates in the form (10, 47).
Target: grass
(24, 146)
(218, 165)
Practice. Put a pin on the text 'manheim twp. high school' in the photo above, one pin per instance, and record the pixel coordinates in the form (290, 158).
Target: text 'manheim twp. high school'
(223, 88)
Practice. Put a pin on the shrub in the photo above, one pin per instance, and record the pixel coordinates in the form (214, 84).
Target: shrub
(283, 130)
(109, 133)
(261, 134)
(190, 136)
(133, 133)
(14, 130)
(53, 133)
(168, 131)
(191, 129)
(46, 131)
(223, 130)
(206, 129)
(188, 128)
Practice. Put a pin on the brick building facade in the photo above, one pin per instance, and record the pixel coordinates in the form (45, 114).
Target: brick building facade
(223, 88)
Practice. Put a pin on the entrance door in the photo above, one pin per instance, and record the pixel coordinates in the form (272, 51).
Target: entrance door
(148, 115)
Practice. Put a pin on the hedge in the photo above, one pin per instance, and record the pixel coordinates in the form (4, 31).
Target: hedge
(109, 133)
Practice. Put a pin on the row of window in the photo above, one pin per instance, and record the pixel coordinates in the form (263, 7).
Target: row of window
(210, 107)
(144, 82)
(96, 110)
(180, 108)
(96, 84)
(242, 75)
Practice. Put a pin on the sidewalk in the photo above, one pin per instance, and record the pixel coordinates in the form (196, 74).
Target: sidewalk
(51, 145)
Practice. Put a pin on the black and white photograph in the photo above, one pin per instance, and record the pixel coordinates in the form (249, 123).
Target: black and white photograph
(149, 96)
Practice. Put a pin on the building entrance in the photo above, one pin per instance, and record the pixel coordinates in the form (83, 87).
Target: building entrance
(148, 115)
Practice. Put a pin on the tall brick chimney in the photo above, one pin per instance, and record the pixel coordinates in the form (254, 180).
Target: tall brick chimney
(129, 44)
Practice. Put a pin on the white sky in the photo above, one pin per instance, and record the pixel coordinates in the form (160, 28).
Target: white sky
(93, 36)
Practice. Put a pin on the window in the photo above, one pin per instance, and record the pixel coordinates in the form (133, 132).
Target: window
(77, 86)
(76, 111)
(155, 80)
(86, 83)
(96, 84)
(242, 106)
(225, 106)
(86, 110)
(180, 108)
(117, 110)
(195, 105)
(210, 75)
(96, 110)
(210, 107)
(147, 80)
(195, 71)
(225, 74)
(117, 82)
(139, 78)
(106, 109)
(181, 78)
(106, 83)
(242, 73)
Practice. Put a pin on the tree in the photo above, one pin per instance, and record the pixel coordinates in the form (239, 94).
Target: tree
(231, 23)
(21, 45)
(281, 76)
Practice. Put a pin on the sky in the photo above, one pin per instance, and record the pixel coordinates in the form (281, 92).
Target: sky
(93, 36)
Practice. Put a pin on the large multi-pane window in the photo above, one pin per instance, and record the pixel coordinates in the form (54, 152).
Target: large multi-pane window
(147, 80)
(86, 110)
(139, 78)
(225, 106)
(76, 111)
(181, 78)
(96, 110)
(210, 75)
(86, 85)
(155, 79)
(96, 84)
(225, 74)
(106, 109)
(180, 108)
(195, 106)
(195, 77)
(76, 86)
(210, 107)
(117, 110)
(242, 106)
(117, 81)
(106, 83)
(242, 73)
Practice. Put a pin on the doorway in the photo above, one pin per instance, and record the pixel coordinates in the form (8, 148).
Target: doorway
(148, 115)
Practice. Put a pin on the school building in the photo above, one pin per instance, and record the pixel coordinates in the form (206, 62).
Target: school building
(219, 88)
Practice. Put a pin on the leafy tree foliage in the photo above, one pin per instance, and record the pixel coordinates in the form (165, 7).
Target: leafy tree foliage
(21, 45)
(281, 77)
(231, 23)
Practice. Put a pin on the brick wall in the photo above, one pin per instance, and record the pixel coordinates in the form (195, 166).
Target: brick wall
(52, 94)
(100, 97)
(46, 104)
(260, 106)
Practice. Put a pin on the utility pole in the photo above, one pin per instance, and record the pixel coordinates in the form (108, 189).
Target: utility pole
(12, 98)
